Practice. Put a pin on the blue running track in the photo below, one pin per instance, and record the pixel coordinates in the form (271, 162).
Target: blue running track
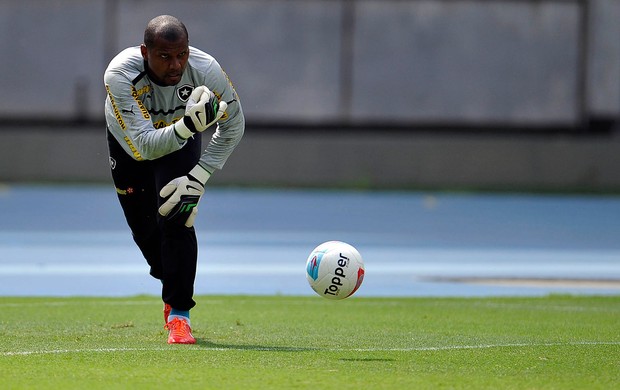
(72, 240)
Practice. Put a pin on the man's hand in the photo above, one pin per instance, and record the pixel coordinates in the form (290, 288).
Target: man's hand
(202, 110)
(182, 195)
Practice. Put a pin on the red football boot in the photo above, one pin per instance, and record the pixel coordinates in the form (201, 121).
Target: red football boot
(180, 332)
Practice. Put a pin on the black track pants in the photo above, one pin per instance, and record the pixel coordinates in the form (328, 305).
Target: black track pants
(171, 250)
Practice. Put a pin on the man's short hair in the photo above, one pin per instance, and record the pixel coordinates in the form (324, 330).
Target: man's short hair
(167, 27)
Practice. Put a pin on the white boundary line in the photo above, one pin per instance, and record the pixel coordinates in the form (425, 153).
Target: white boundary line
(294, 349)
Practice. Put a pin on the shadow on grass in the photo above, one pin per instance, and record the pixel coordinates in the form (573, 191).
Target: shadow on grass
(245, 347)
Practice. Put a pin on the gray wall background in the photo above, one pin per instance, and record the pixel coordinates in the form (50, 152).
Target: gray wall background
(335, 78)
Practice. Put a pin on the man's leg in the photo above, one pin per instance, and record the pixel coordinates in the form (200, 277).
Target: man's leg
(179, 247)
(135, 187)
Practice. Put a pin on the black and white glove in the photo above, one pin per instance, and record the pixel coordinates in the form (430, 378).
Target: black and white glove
(182, 195)
(202, 110)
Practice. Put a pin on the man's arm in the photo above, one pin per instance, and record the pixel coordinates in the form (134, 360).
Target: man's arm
(183, 193)
(231, 126)
(130, 121)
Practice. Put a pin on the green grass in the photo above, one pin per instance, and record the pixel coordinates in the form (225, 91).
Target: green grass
(556, 342)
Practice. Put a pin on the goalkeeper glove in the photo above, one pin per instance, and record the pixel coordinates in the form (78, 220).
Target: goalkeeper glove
(182, 195)
(202, 110)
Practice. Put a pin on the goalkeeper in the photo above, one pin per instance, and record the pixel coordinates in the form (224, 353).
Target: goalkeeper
(161, 97)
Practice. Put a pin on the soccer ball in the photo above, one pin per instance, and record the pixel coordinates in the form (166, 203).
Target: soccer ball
(335, 270)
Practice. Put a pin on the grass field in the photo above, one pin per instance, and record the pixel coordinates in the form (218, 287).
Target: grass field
(280, 342)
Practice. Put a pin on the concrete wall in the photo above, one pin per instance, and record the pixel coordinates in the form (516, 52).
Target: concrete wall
(516, 64)
(352, 61)
(346, 159)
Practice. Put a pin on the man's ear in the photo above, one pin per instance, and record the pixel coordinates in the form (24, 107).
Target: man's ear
(143, 50)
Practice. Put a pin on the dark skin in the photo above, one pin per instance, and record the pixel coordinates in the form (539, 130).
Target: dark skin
(166, 60)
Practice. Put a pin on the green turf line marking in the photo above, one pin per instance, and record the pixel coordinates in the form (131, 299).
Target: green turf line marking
(280, 349)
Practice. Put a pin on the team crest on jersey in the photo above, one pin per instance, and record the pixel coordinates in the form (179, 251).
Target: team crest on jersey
(184, 91)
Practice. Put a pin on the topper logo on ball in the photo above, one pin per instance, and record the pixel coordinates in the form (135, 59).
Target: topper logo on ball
(336, 284)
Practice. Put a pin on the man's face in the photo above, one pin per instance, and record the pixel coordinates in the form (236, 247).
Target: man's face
(166, 60)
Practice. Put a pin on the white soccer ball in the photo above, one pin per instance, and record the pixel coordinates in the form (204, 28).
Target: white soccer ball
(335, 270)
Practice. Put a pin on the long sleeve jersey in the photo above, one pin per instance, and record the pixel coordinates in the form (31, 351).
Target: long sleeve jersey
(139, 112)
